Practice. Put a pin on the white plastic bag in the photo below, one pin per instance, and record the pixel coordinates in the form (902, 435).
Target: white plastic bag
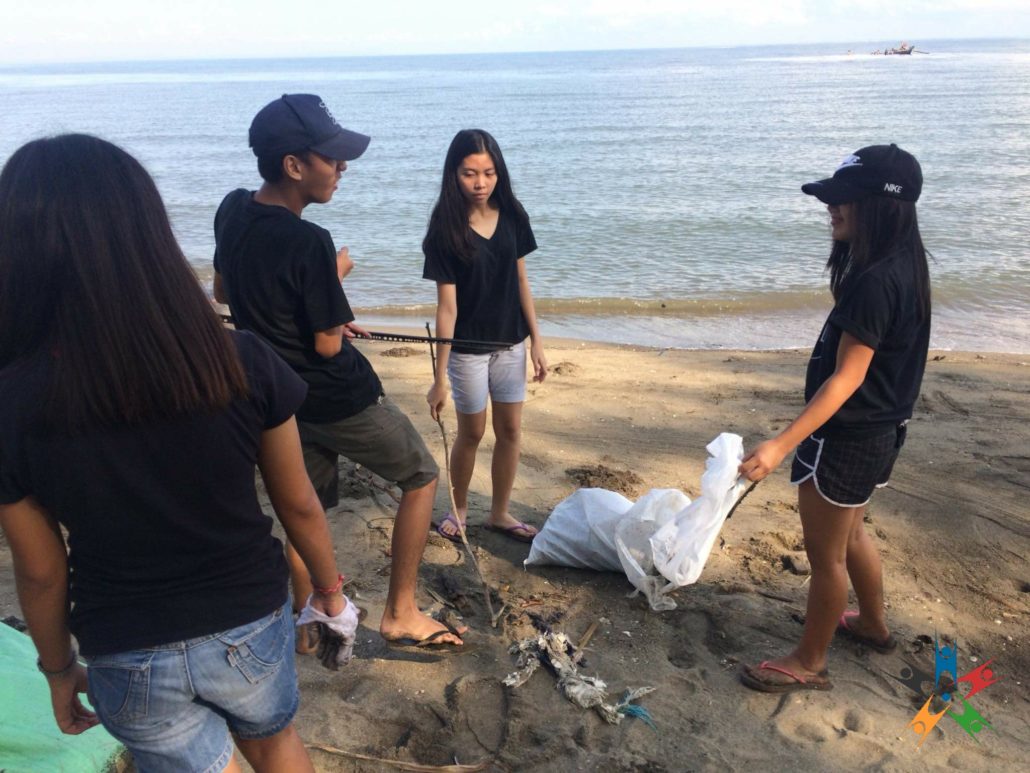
(662, 542)
(653, 512)
(580, 531)
(681, 546)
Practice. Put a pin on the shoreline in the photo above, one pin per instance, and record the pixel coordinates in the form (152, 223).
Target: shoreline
(747, 322)
(706, 334)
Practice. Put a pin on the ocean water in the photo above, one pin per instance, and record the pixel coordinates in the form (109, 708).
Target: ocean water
(663, 185)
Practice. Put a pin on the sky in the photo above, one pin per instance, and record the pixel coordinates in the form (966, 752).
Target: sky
(116, 30)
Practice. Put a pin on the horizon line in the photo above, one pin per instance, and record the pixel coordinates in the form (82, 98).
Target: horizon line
(416, 55)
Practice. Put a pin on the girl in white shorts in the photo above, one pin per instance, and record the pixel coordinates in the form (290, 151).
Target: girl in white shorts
(475, 250)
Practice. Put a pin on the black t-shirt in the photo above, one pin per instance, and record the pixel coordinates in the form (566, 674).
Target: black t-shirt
(880, 308)
(487, 287)
(166, 538)
(279, 272)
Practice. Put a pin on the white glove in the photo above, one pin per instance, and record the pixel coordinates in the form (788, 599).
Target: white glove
(335, 634)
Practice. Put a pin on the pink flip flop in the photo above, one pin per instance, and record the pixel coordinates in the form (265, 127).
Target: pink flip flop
(749, 677)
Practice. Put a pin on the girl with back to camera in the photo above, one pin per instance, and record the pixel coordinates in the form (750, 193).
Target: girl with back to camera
(475, 250)
(862, 382)
(130, 417)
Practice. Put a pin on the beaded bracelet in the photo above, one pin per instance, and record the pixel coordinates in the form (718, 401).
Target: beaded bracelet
(330, 591)
(71, 664)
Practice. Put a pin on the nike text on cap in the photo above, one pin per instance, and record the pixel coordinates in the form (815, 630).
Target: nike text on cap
(298, 122)
(878, 170)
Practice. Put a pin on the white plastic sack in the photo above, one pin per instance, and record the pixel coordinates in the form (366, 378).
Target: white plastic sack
(652, 513)
(660, 543)
(580, 532)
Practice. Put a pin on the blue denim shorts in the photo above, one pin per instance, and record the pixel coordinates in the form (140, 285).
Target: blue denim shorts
(173, 706)
(501, 375)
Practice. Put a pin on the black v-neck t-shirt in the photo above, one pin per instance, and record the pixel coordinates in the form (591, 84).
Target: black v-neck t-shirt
(487, 287)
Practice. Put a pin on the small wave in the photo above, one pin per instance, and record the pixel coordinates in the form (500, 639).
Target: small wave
(736, 305)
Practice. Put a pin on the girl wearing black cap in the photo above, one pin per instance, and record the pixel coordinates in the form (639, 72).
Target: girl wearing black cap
(131, 422)
(862, 382)
(475, 250)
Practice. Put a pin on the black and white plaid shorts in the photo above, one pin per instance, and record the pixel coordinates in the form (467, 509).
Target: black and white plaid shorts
(846, 470)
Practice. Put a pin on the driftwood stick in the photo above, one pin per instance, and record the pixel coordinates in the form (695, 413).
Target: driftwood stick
(412, 766)
(454, 506)
(500, 613)
(371, 481)
(585, 640)
(439, 599)
(742, 497)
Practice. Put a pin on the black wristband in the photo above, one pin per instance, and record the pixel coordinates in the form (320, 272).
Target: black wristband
(71, 664)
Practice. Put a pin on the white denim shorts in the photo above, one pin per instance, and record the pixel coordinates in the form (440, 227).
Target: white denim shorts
(500, 375)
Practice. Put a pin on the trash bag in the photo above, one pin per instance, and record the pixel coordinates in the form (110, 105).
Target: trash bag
(652, 513)
(681, 546)
(580, 532)
(661, 542)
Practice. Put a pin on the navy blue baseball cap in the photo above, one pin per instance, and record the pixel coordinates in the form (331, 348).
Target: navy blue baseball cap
(878, 170)
(299, 122)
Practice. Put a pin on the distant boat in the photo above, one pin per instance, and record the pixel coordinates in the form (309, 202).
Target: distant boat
(902, 50)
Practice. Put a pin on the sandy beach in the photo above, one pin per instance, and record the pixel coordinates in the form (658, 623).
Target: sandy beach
(953, 529)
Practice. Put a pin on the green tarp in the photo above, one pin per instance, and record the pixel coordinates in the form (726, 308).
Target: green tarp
(29, 739)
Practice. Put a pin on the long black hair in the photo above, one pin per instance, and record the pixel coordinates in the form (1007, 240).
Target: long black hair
(448, 232)
(884, 227)
(92, 279)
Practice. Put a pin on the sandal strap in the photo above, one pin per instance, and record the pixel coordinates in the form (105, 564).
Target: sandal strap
(770, 667)
(431, 639)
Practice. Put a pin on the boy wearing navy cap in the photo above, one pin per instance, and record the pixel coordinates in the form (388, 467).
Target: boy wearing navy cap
(280, 276)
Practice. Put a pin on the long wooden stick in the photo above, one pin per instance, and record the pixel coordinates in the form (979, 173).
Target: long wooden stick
(410, 766)
(742, 496)
(450, 491)
(584, 641)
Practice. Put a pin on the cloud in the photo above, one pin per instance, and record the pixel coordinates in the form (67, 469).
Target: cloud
(620, 13)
